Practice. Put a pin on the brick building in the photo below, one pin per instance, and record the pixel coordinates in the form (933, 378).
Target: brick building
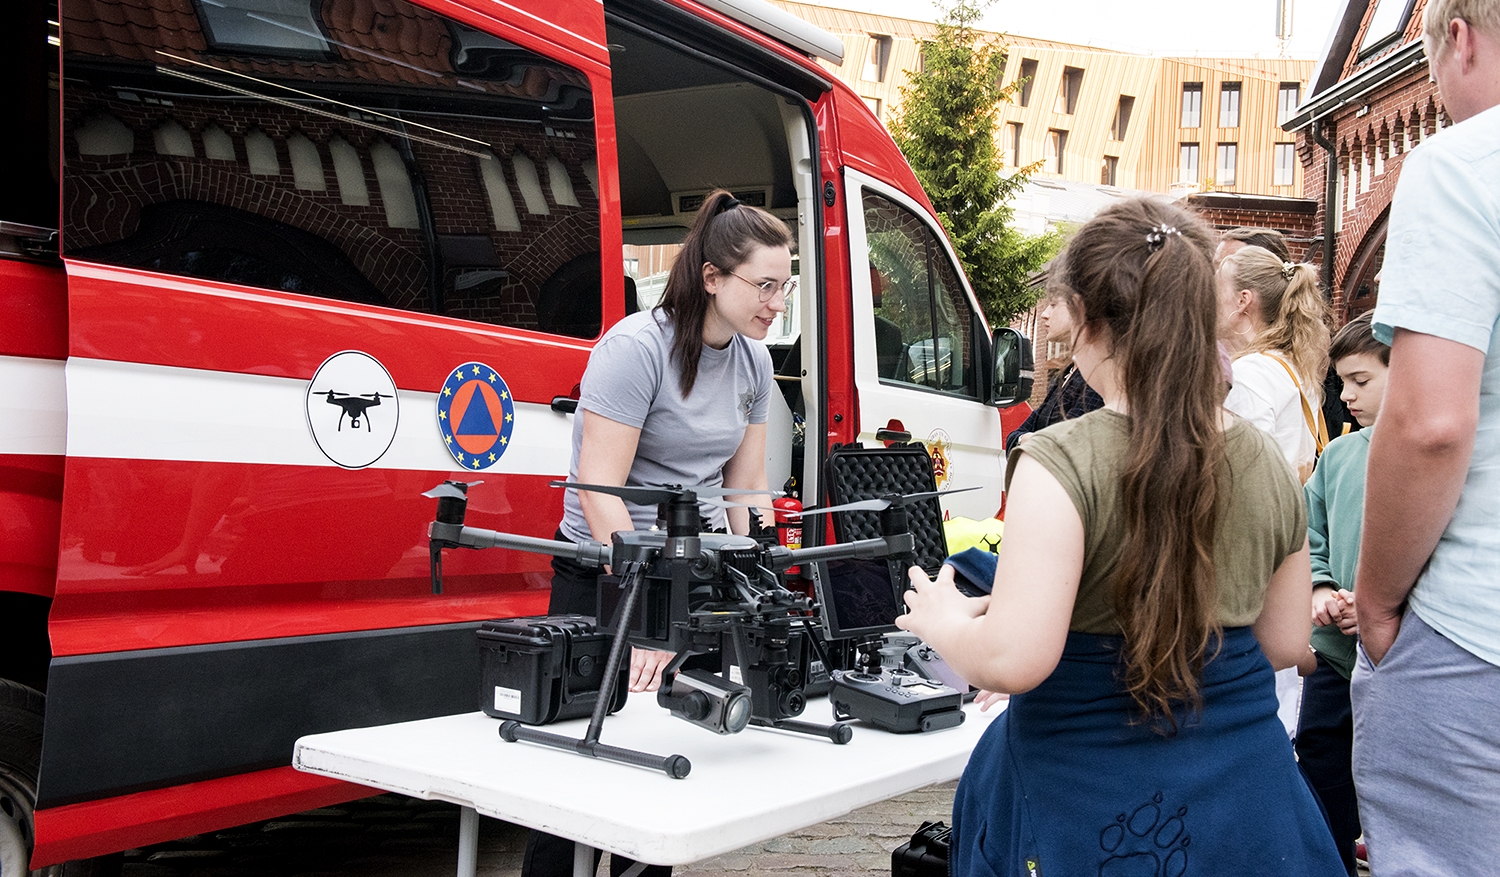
(1370, 102)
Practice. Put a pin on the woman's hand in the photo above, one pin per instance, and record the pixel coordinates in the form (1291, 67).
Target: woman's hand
(935, 608)
(645, 668)
(987, 699)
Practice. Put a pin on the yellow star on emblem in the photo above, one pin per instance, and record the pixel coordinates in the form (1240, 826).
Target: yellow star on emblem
(447, 392)
(492, 458)
(504, 394)
(460, 459)
(442, 415)
(447, 439)
(504, 440)
(458, 373)
(476, 462)
(493, 377)
(476, 370)
(507, 418)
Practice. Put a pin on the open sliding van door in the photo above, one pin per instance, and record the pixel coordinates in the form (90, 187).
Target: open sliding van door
(321, 255)
(920, 345)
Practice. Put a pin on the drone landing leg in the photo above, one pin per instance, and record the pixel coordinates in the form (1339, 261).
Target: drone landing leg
(838, 732)
(674, 766)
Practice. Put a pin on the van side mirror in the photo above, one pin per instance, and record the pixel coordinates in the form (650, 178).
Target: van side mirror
(1015, 368)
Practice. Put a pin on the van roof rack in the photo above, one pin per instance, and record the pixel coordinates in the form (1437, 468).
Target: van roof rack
(777, 23)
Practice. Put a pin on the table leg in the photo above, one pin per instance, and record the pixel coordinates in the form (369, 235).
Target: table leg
(468, 841)
(583, 860)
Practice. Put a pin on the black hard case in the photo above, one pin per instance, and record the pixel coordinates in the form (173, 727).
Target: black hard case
(546, 668)
(925, 855)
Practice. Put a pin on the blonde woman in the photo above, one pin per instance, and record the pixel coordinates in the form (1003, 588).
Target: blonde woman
(1273, 322)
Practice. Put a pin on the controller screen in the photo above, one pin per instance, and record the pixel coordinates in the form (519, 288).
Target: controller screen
(861, 595)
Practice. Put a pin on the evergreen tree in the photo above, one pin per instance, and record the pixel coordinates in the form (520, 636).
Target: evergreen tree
(946, 128)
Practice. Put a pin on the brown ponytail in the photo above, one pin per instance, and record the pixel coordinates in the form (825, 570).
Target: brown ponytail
(723, 234)
(1143, 270)
(1292, 309)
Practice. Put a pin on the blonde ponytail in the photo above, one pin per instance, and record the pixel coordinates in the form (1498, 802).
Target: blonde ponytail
(1291, 307)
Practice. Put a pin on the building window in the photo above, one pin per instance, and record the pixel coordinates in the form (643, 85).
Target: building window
(874, 104)
(1229, 105)
(1224, 173)
(1187, 164)
(877, 58)
(1028, 78)
(1052, 158)
(1192, 104)
(1287, 98)
(1387, 23)
(1286, 163)
(1067, 90)
(1121, 123)
(1108, 171)
(1013, 143)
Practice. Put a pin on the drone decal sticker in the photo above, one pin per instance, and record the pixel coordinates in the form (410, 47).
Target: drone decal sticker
(352, 409)
(475, 414)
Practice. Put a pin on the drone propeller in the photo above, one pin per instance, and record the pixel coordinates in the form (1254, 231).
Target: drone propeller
(880, 504)
(665, 493)
(451, 489)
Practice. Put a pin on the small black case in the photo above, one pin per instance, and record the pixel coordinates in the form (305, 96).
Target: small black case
(925, 855)
(545, 669)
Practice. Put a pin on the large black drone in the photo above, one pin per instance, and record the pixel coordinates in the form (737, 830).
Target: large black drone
(689, 592)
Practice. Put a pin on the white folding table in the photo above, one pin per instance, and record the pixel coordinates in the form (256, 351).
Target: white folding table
(743, 788)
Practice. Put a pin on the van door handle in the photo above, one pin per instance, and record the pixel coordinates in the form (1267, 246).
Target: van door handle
(564, 404)
(892, 435)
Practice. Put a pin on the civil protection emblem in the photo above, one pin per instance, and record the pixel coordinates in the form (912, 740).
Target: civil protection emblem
(475, 414)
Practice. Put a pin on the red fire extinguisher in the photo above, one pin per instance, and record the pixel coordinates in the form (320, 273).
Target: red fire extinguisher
(789, 525)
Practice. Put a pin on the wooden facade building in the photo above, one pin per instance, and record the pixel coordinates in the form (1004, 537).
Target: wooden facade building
(1170, 125)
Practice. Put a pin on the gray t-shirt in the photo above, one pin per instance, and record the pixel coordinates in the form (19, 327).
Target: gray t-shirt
(631, 379)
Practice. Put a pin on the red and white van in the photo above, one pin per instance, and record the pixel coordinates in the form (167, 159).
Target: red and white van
(271, 268)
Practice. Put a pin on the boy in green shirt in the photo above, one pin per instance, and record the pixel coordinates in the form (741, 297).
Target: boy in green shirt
(1335, 512)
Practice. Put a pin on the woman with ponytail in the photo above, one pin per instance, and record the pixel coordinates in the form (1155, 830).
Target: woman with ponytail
(675, 395)
(1154, 574)
(1274, 324)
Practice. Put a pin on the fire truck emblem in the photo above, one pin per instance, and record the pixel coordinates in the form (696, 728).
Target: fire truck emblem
(352, 409)
(940, 449)
(475, 414)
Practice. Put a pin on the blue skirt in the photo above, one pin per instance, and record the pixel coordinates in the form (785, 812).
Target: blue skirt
(1062, 784)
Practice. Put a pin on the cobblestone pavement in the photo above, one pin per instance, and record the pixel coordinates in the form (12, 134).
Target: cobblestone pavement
(392, 835)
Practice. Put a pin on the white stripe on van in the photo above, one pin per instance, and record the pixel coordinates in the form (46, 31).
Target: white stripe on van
(33, 414)
(133, 411)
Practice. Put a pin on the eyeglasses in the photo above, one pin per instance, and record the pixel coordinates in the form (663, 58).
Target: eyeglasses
(768, 288)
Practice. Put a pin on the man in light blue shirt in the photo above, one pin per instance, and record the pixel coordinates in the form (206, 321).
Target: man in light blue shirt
(1426, 688)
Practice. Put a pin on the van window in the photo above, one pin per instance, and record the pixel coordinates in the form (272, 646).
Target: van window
(923, 321)
(377, 153)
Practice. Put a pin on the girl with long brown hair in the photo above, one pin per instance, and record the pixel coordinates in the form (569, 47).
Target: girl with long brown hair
(1153, 574)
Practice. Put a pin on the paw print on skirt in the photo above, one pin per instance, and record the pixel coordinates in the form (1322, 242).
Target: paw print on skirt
(1145, 843)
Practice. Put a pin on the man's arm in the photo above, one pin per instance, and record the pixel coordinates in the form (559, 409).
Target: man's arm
(1419, 458)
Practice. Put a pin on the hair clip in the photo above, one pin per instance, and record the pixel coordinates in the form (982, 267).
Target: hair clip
(1287, 270)
(1157, 236)
(729, 204)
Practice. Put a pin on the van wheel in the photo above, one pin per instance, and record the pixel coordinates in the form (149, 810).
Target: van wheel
(20, 755)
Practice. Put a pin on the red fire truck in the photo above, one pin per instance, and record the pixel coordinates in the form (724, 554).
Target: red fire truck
(269, 269)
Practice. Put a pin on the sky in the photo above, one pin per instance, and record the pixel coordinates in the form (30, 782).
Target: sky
(1210, 28)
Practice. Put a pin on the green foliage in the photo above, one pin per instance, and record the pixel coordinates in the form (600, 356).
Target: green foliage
(946, 128)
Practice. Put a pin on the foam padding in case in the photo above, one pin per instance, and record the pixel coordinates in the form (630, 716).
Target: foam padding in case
(856, 473)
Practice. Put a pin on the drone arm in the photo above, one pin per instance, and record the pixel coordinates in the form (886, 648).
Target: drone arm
(862, 549)
(586, 553)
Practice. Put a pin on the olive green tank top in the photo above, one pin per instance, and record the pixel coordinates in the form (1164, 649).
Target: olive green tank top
(1263, 518)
